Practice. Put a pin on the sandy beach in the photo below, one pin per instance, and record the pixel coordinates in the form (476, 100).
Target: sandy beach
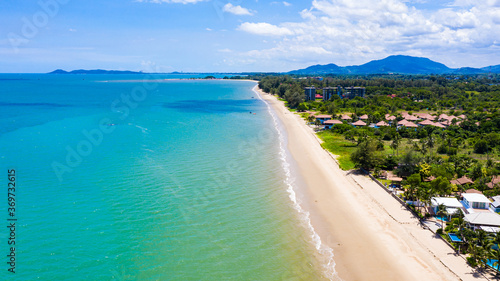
(373, 236)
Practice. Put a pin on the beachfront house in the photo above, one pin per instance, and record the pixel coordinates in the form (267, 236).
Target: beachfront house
(359, 123)
(345, 117)
(407, 124)
(330, 123)
(495, 205)
(452, 205)
(310, 93)
(462, 181)
(322, 118)
(426, 123)
(494, 182)
(390, 118)
(474, 202)
(489, 222)
(381, 124)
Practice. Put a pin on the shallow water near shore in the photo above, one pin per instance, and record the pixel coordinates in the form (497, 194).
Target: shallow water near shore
(134, 180)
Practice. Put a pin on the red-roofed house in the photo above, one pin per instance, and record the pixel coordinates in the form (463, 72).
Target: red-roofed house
(462, 181)
(494, 181)
(472, 190)
(439, 125)
(410, 125)
(359, 123)
(345, 117)
(330, 123)
(363, 117)
(381, 124)
(426, 123)
(402, 122)
(425, 116)
(443, 117)
(446, 123)
(323, 117)
(411, 118)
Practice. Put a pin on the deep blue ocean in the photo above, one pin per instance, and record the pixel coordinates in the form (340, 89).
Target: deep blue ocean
(134, 177)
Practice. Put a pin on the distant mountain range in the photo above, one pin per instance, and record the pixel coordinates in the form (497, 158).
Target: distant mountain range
(395, 64)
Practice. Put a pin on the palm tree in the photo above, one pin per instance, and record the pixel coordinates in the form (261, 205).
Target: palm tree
(496, 252)
(481, 237)
(414, 145)
(310, 119)
(483, 255)
(474, 251)
(441, 211)
(423, 146)
(424, 194)
(431, 142)
(317, 122)
(462, 228)
(482, 247)
(480, 251)
(395, 143)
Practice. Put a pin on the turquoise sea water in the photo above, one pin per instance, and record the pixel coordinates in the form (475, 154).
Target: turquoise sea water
(148, 180)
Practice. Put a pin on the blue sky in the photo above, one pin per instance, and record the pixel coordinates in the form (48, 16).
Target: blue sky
(236, 36)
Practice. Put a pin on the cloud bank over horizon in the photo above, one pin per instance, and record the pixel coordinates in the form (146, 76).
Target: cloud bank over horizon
(349, 32)
(238, 36)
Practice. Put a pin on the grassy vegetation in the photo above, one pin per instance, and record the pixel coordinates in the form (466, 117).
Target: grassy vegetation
(338, 145)
(385, 182)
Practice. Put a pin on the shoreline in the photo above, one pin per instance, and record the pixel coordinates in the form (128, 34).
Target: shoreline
(372, 236)
(295, 190)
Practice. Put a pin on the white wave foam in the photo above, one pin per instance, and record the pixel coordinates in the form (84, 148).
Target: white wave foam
(324, 250)
(144, 130)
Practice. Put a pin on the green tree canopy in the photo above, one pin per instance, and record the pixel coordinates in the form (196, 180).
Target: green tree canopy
(366, 155)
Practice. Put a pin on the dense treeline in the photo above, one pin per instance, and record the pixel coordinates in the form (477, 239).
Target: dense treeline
(467, 148)
(466, 93)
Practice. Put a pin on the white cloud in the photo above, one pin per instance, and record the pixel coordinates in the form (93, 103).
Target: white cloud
(286, 4)
(226, 50)
(237, 10)
(263, 28)
(349, 32)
